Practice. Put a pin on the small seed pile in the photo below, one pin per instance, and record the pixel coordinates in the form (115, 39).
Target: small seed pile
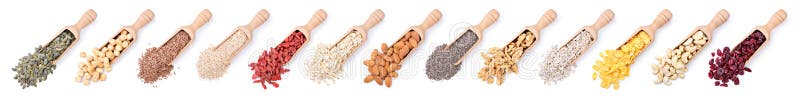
(95, 67)
(156, 63)
(726, 65)
(673, 65)
(35, 67)
(504, 60)
(269, 66)
(560, 61)
(615, 64)
(214, 61)
(326, 64)
(383, 66)
(441, 65)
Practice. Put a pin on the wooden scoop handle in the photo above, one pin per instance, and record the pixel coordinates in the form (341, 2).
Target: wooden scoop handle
(87, 18)
(776, 20)
(719, 19)
(432, 18)
(201, 20)
(603, 20)
(661, 19)
(315, 20)
(488, 19)
(545, 20)
(373, 20)
(144, 18)
(259, 19)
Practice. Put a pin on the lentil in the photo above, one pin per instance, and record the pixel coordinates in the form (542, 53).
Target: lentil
(500, 61)
(615, 64)
(326, 64)
(673, 65)
(728, 64)
(35, 67)
(269, 66)
(441, 64)
(91, 70)
(156, 63)
(560, 61)
(214, 61)
(385, 63)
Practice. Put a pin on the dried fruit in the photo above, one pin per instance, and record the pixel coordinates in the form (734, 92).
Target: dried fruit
(726, 65)
(269, 66)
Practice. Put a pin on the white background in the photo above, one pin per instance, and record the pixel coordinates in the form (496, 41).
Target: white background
(29, 23)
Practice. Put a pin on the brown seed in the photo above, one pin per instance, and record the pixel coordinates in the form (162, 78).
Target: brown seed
(384, 47)
(379, 81)
(369, 78)
(399, 45)
(374, 53)
(414, 36)
(413, 42)
(388, 82)
(404, 51)
(369, 63)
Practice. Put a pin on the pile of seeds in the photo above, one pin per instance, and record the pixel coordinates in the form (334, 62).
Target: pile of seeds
(214, 61)
(156, 63)
(383, 65)
(269, 66)
(35, 67)
(95, 67)
(441, 65)
(728, 64)
(504, 60)
(673, 65)
(615, 65)
(559, 62)
(326, 64)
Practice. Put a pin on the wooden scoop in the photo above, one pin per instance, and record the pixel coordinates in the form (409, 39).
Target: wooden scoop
(660, 20)
(363, 29)
(606, 17)
(87, 18)
(431, 20)
(200, 21)
(315, 20)
(719, 19)
(247, 30)
(776, 20)
(487, 21)
(536, 29)
(143, 20)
